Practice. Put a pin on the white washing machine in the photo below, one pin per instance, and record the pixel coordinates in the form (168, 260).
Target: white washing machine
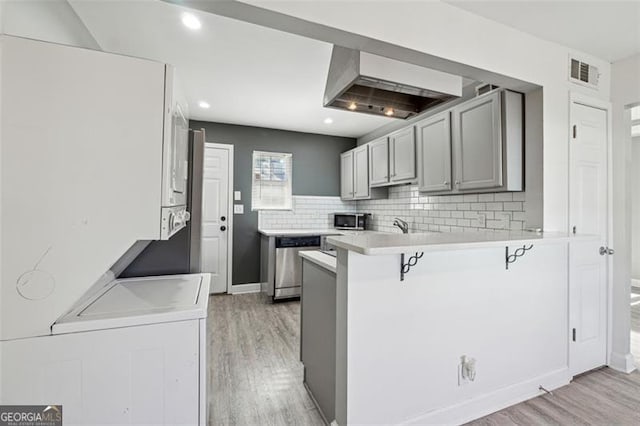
(134, 353)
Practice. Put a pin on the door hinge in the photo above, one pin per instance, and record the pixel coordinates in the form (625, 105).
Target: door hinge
(575, 131)
(573, 334)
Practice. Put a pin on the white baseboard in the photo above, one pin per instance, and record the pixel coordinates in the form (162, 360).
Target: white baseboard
(495, 401)
(635, 282)
(622, 362)
(245, 288)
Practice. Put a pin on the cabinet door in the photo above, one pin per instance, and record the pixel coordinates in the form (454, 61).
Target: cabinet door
(379, 162)
(346, 175)
(361, 172)
(477, 137)
(434, 153)
(402, 148)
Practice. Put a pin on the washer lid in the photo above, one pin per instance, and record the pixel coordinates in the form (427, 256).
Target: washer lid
(139, 301)
(146, 294)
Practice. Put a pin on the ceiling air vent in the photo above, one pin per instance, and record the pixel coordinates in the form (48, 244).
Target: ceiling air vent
(583, 73)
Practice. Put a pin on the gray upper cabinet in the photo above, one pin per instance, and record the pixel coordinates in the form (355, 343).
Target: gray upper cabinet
(346, 175)
(433, 138)
(379, 162)
(361, 172)
(402, 156)
(477, 138)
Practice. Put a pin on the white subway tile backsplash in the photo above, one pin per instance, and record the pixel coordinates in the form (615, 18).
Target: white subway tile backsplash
(447, 213)
(309, 212)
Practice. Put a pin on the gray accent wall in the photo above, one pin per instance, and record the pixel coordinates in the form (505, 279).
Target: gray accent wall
(316, 171)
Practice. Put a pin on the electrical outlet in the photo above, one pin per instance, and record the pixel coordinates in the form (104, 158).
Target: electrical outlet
(466, 370)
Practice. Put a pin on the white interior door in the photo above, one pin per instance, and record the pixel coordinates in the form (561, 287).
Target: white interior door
(215, 216)
(588, 214)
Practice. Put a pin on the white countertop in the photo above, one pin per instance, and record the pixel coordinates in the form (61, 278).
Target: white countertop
(298, 232)
(304, 232)
(386, 243)
(321, 259)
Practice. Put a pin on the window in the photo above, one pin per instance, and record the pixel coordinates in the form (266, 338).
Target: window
(271, 181)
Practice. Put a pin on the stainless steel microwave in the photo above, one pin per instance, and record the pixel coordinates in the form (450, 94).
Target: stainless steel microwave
(355, 221)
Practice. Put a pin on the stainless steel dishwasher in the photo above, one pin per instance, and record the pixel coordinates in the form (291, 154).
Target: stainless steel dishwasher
(289, 264)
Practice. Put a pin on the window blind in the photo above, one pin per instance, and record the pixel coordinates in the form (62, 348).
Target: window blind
(271, 181)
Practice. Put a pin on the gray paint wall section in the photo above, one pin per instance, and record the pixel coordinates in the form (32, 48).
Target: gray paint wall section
(316, 171)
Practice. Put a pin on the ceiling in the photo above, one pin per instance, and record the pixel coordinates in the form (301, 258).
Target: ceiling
(609, 30)
(250, 75)
(257, 76)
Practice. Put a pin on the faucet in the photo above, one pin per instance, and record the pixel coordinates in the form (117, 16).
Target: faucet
(404, 226)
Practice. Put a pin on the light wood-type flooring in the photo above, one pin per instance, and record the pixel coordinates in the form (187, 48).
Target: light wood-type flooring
(255, 377)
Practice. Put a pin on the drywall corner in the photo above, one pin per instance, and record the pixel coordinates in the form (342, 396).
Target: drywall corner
(48, 20)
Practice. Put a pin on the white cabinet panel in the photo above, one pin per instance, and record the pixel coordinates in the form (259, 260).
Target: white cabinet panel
(477, 136)
(402, 155)
(434, 153)
(379, 161)
(361, 172)
(151, 374)
(346, 175)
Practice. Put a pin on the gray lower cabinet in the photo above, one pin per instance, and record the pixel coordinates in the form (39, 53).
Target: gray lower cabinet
(433, 137)
(318, 335)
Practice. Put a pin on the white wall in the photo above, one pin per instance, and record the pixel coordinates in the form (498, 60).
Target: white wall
(47, 20)
(467, 44)
(625, 91)
(635, 211)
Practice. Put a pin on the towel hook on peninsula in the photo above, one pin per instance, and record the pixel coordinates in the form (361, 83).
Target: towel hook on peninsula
(406, 267)
(511, 258)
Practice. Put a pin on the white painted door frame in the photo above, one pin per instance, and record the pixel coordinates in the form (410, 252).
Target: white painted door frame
(589, 101)
(229, 148)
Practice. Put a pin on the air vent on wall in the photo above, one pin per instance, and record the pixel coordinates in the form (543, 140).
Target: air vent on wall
(583, 73)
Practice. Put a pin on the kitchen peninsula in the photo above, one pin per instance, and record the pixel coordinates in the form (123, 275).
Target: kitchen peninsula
(412, 310)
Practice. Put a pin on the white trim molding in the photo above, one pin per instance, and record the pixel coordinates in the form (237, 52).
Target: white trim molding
(245, 288)
(482, 405)
(635, 282)
(623, 363)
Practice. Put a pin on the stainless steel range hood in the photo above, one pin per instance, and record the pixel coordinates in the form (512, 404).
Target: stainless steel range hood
(362, 82)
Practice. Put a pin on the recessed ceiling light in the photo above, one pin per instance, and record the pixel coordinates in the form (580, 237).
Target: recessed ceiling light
(328, 120)
(389, 112)
(353, 106)
(203, 104)
(190, 21)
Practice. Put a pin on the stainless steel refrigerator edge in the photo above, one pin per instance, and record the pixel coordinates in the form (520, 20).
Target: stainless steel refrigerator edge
(181, 253)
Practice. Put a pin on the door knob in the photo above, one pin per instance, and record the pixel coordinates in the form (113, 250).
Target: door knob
(223, 228)
(606, 250)
(223, 218)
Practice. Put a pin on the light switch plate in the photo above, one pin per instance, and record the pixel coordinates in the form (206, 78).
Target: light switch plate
(238, 208)
(237, 195)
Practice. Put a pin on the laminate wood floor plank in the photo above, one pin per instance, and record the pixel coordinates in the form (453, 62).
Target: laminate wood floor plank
(601, 397)
(255, 376)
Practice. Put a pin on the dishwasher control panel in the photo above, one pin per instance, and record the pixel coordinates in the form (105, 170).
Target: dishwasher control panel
(291, 242)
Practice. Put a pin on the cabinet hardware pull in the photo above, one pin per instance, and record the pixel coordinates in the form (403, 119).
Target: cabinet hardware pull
(575, 131)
